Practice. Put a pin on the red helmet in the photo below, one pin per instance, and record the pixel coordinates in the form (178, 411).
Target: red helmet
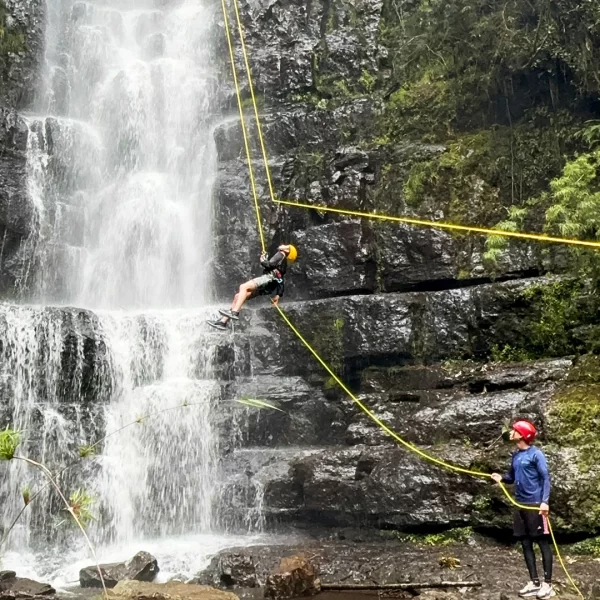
(526, 430)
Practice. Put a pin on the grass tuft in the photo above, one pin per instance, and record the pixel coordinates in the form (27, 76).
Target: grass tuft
(9, 442)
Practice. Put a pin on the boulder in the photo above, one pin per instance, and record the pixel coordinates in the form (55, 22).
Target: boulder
(142, 567)
(235, 569)
(296, 576)
(135, 590)
(12, 586)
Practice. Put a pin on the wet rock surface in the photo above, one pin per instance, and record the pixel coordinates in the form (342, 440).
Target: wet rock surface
(142, 567)
(321, 460)
(230, 570)
(356, 556)
(21, 55)
(20, 66)
(282, 39)
(18, 217)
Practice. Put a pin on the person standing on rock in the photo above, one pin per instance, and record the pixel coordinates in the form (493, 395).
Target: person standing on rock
(529, 473)
(271, 281)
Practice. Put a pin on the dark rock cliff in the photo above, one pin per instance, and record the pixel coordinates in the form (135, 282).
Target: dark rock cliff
(436, 342)
(401, 308)
(21, 53)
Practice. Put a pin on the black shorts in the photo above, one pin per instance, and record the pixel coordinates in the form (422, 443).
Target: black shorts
(529, 523)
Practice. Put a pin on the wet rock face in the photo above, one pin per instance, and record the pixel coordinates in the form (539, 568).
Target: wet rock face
(18, 217)
(21, 54)
(283, 38)
(322, 461)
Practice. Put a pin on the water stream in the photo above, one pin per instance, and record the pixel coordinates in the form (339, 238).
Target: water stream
(122, 164)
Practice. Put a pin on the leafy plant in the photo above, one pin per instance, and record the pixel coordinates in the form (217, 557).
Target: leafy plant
(9, 442)
(507, 353)
(575, 211)
(81, 503)
(87, 450)
(496, 244)
(589, 547)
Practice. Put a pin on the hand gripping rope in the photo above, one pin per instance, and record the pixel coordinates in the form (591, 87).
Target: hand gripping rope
(420, 222)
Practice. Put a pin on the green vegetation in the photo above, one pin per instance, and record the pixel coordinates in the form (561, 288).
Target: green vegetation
(12, 41)
(575, 415)
(507, 353)
(557, 313)
(81, 503)
(589, 547)
(569, 208)
(481, 503)
(551, 319)
(469, 64)
(9, 442)
(12, 38)
(451, 536)
(508, 88)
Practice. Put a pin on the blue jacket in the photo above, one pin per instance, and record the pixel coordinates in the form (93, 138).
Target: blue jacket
(529, 473)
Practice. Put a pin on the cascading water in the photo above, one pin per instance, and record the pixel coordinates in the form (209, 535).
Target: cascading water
(130, 160)
(122, 164)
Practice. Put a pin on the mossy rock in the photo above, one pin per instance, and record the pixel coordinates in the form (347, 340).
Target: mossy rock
(574, 415)
(573, 422)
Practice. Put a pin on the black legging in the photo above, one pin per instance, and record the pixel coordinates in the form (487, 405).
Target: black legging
(544, 545)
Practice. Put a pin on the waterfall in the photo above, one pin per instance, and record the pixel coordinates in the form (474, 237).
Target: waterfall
(121, 168)
(128, 153)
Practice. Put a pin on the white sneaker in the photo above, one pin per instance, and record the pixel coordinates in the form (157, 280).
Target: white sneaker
(546, 591)
(530, 590)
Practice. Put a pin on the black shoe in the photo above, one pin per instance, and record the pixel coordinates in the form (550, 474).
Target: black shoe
(217, 324)
(230, 314)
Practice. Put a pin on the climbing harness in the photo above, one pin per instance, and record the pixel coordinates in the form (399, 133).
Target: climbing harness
(408, 445)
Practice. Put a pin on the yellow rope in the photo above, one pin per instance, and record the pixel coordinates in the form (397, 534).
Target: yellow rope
(408, 445)
(441, 225)
(243, 123)
(371, 415)
(254, 104)
(408, 220)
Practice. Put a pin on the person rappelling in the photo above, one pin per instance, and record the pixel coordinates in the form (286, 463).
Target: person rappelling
(272, 281)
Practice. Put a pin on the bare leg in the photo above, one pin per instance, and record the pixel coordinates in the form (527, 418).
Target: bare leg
(245, 292)
(235, 299)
